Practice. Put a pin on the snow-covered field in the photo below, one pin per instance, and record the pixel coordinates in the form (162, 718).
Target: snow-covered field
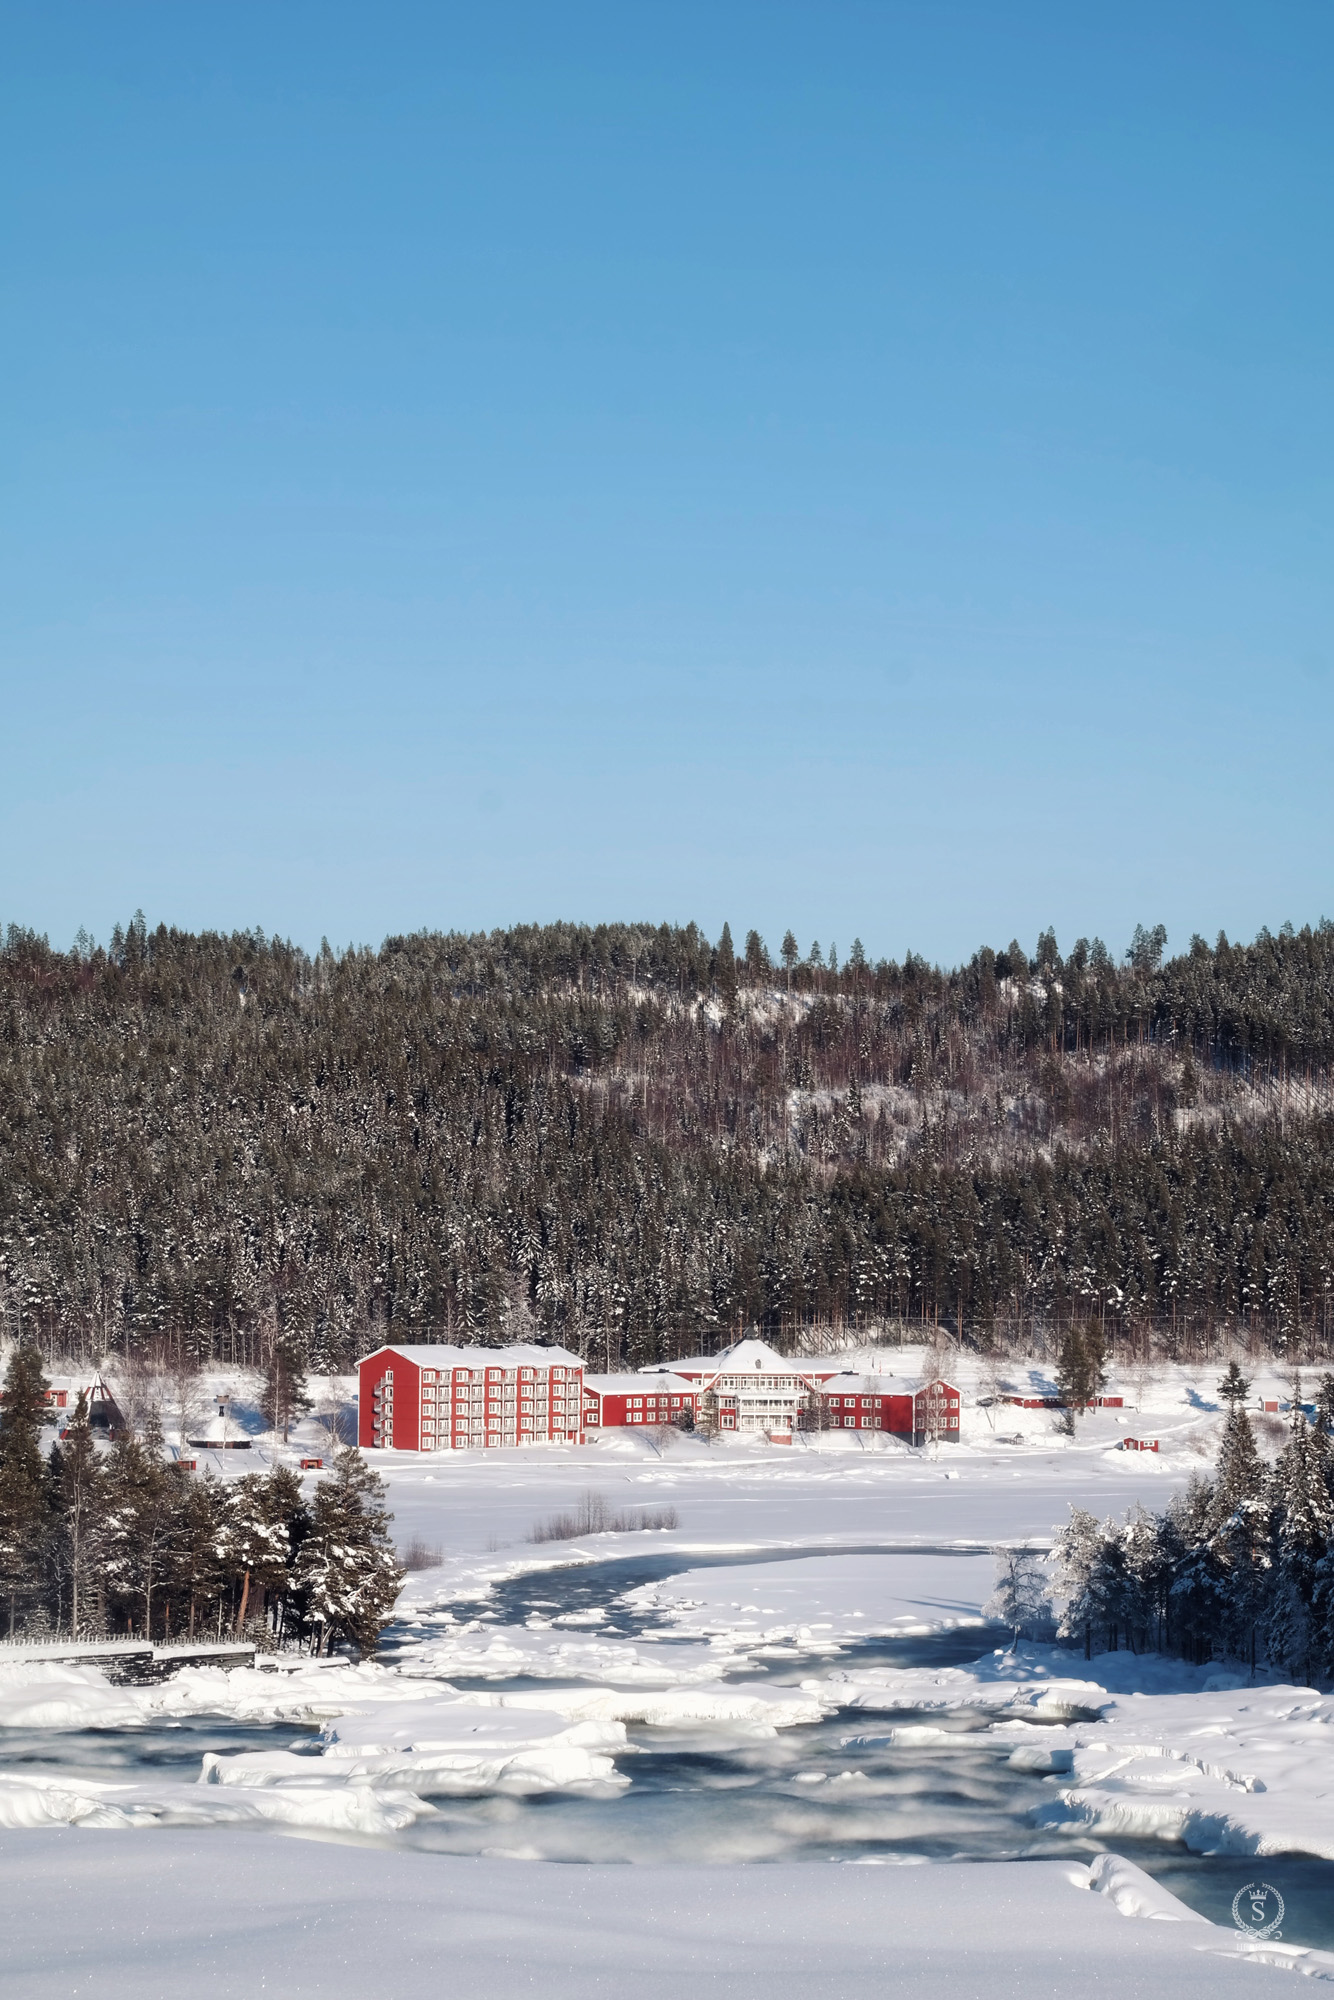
(758, 1636)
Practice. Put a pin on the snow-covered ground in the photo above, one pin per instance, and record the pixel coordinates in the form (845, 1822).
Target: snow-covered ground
(746, 1625)
(96, 1914)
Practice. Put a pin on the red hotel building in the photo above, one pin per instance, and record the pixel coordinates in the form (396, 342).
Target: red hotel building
(751, 1387)
(440, 1398)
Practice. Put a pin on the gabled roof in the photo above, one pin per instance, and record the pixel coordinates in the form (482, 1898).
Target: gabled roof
(744, 1357)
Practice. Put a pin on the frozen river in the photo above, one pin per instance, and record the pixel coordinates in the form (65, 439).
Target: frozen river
(892, 1785)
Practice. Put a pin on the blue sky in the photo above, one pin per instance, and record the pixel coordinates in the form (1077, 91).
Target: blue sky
(866, 468)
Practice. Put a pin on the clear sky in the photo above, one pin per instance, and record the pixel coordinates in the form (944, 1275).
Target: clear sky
(861, 467)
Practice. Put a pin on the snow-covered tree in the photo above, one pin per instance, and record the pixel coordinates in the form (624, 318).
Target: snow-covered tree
(1078, 1552)
(348, 1572)
(257, 1535)
(76, 1495)
(1302, 1516)
(1021, 1598)
(1234, 1388)
(1239, 1475)
(139, 1527)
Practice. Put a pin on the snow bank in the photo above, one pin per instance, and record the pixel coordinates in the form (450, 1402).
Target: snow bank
(440, 1747)
(821, 1600)
(1223, 1767)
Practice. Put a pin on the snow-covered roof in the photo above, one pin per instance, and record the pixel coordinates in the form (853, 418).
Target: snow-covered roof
(436, 1354)
(220, 1430)
(749, 1356)
(634, 1385)
(871, 1385)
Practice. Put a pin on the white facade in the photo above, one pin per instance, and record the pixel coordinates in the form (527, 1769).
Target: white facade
(750, 1386)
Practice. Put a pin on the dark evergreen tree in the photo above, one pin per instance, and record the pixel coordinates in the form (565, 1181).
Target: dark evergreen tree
(140, 1530)
(726, 970)
(24, 1516)
(1234, 1387)
(284, 1398)
(77, 1506)
(1081, 1368)
(1302, 1515)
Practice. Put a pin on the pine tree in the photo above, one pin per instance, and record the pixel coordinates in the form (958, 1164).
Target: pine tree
(77, 1504)
(199, 1573)
(1302, 1517)
(140, 1526)
(791, 952)
(257, 1537)
(348, 1572)
(24, 1519)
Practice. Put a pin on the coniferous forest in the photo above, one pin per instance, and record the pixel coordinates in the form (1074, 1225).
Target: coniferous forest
(635, 1141)
(1238, 1566)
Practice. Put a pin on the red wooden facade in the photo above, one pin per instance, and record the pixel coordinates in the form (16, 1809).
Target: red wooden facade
(614, 1400)
(437, 1398)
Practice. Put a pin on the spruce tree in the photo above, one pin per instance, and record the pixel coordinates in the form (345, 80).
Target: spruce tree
(1239, 1475)
(1234, 1388)
(140, 1526)
(1081, 1368)
(348, 1572)
(283, 1396)
(24, 1518)
(1077, 1551)
(726, 969)
(1302, 1517)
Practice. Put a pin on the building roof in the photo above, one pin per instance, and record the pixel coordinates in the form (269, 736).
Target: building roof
(749, 1357)
(871, 1385)
(888, 1385)
(436, 1354)
(634, 1385)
